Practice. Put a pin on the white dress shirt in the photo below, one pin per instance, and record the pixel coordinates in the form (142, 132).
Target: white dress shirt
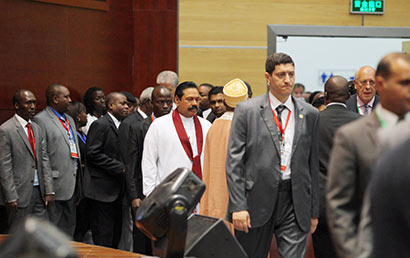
(116, 121)
(290, 129)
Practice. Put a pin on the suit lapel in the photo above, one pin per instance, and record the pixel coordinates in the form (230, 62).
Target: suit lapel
(57, 123)
(112, 124)
(373, 125)
(267, 117)
(23, 135)
(299, 122)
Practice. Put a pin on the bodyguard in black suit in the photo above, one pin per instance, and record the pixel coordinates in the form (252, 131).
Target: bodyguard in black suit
(365, 100)
(334, 116)
(390, 192)
(104, 177)
(131, 137)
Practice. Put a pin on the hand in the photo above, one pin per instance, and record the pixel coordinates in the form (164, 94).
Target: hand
(136, 203)
(13, 206)
(313, 224)
(50, 198)
(241, 220)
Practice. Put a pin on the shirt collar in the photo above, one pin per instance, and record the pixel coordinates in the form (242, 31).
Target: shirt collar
(116, 121)
(274, 102)
(361, 104)
(142, 113)
(336, 104)
(21, 120)
(386, 117)
(61, 116)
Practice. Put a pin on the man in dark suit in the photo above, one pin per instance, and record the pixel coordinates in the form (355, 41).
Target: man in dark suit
(64, 154)
(25, 174)
(334, 116)
(145, 108)
(355, 150)
(365, 99)
(390, 208)
(132, 141)
(104, 180)
(273, 166)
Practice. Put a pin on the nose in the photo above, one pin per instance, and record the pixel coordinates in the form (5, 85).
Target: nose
(287, 78)
(69, 100)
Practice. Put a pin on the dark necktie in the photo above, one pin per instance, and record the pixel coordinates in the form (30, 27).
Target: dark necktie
(366, 109)
(279, 111)
(31, 140)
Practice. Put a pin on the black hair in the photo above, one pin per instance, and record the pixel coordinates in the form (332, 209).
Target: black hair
(179, 92)
(215, 90)
(277, 59)
(88, 99)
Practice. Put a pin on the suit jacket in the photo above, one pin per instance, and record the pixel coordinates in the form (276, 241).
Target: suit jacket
(64, 168)
(351, 103)
(104, 173)
(390, 197)
(354, 152)
(132, 136)
(253, 162)
(333, 117)
(17, 163)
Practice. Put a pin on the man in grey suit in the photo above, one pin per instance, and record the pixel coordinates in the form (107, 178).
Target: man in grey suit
(64, 153)
(273, 165)
(25, 175)
(355, 151)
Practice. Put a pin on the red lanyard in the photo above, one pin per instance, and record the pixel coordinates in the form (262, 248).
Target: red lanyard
(152, 117)
(279, 124)
(65, 127)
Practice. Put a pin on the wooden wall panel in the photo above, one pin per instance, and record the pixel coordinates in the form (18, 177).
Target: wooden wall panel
(224, 25)
(155, 40)
(120, 49)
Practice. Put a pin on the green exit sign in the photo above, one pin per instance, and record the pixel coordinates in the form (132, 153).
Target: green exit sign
(367, 6)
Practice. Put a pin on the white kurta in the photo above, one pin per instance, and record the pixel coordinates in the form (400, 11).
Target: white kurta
(163, 151)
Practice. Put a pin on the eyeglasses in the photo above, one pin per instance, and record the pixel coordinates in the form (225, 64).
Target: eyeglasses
(365, 82)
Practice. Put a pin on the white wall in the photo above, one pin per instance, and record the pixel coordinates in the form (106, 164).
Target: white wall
(315, 56)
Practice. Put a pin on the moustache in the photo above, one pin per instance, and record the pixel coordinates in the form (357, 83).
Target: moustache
(193, 108)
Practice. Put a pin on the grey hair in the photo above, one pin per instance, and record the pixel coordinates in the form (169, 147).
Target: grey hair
(146, 95)
(167, 77)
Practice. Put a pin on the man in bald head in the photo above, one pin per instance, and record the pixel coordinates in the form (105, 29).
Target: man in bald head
(64, 154)
(334, 116)
(356, 148)
(365, 99)
(104, 177)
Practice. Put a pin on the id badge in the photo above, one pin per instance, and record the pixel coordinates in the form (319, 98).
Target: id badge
(285, 153)
(35, 182)
(73, 149)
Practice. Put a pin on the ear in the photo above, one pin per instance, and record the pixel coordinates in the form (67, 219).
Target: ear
(55, 99)
(176, 99)
(17, 105)
(355, 84)
(380, 84)
(267, 77)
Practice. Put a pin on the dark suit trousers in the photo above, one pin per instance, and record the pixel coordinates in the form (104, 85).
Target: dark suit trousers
(290, 238)
(36, 207)
(106, 222)
(322, 242)
(142, 244)
(63, 215)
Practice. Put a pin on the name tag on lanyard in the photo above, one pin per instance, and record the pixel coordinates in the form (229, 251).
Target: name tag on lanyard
(285, 154)
(71, 141)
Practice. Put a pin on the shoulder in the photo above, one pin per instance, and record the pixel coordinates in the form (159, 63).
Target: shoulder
(205, 123)
(8, 124)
